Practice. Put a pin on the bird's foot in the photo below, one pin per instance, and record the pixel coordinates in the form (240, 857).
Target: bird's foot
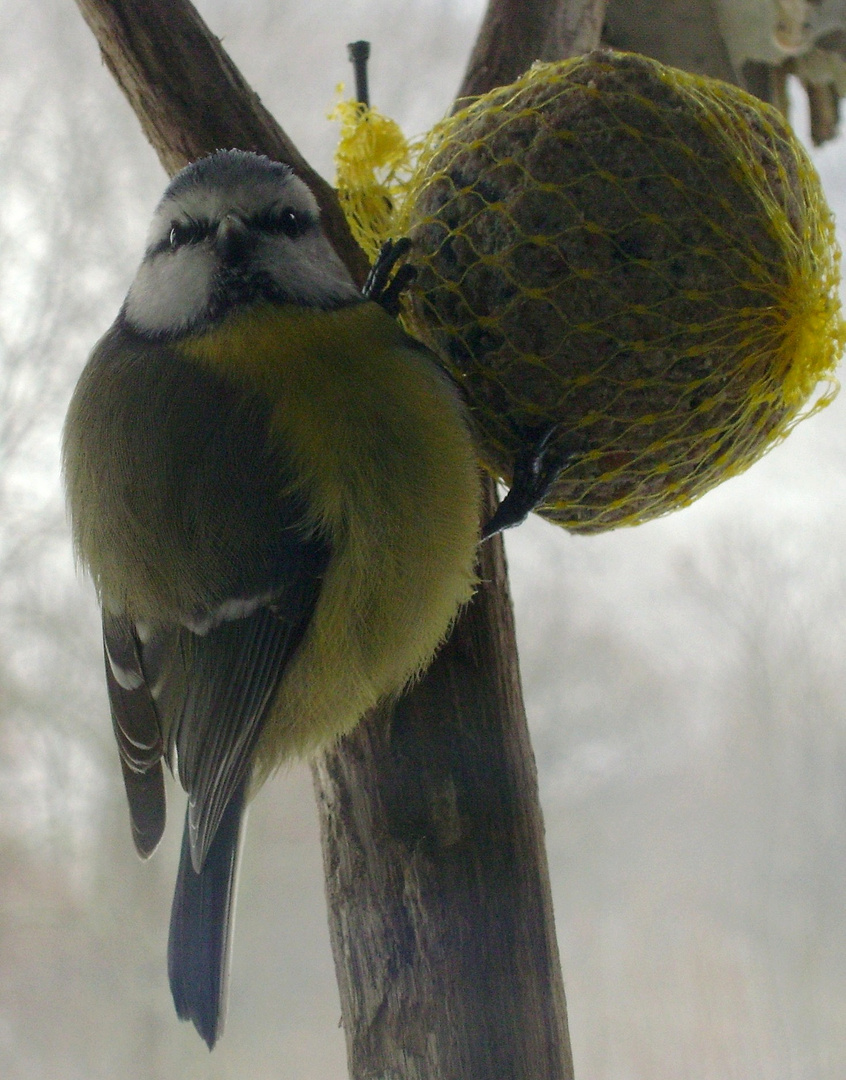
(380, 286)
(536, 469)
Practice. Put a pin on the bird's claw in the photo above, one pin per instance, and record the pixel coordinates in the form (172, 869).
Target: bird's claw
(380, 287)
(536, 469)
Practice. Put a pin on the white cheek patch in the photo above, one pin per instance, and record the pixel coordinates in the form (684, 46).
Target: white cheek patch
(171, 290)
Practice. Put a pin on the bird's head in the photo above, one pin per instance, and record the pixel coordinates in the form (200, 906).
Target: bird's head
(232, 229)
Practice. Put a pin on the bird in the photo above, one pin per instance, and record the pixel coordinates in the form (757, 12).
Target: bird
(276, 494)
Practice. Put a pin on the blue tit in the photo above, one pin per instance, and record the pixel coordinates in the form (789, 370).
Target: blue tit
(275, 492)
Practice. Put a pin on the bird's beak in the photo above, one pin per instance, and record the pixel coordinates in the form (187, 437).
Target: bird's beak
(234, 240)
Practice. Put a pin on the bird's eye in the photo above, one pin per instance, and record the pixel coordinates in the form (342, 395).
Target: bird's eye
(286, 222)
(291, 223)
(187, 232)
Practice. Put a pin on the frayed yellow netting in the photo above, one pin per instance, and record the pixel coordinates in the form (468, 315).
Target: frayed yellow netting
(374, 163)
(642, 256)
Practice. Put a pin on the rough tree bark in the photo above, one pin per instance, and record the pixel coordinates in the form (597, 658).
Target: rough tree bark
(684, 33)
(440, 910)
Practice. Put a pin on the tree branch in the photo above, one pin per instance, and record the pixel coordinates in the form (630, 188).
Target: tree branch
(684, 33)
(440, 908)
(515, 33)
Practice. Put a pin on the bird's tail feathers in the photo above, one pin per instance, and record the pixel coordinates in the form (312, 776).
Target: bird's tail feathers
(201, 924)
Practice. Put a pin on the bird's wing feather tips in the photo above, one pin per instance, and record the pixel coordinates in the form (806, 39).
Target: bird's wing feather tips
(138, 733)
(201, 924)
(145, 793)
(226, 678)
(232, 673)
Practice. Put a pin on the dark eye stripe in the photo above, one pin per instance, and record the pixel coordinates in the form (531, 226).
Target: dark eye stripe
(285, 222)
(187, 232)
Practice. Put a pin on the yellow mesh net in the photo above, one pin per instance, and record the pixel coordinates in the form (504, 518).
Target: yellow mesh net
(641, 256)
(374, 163)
